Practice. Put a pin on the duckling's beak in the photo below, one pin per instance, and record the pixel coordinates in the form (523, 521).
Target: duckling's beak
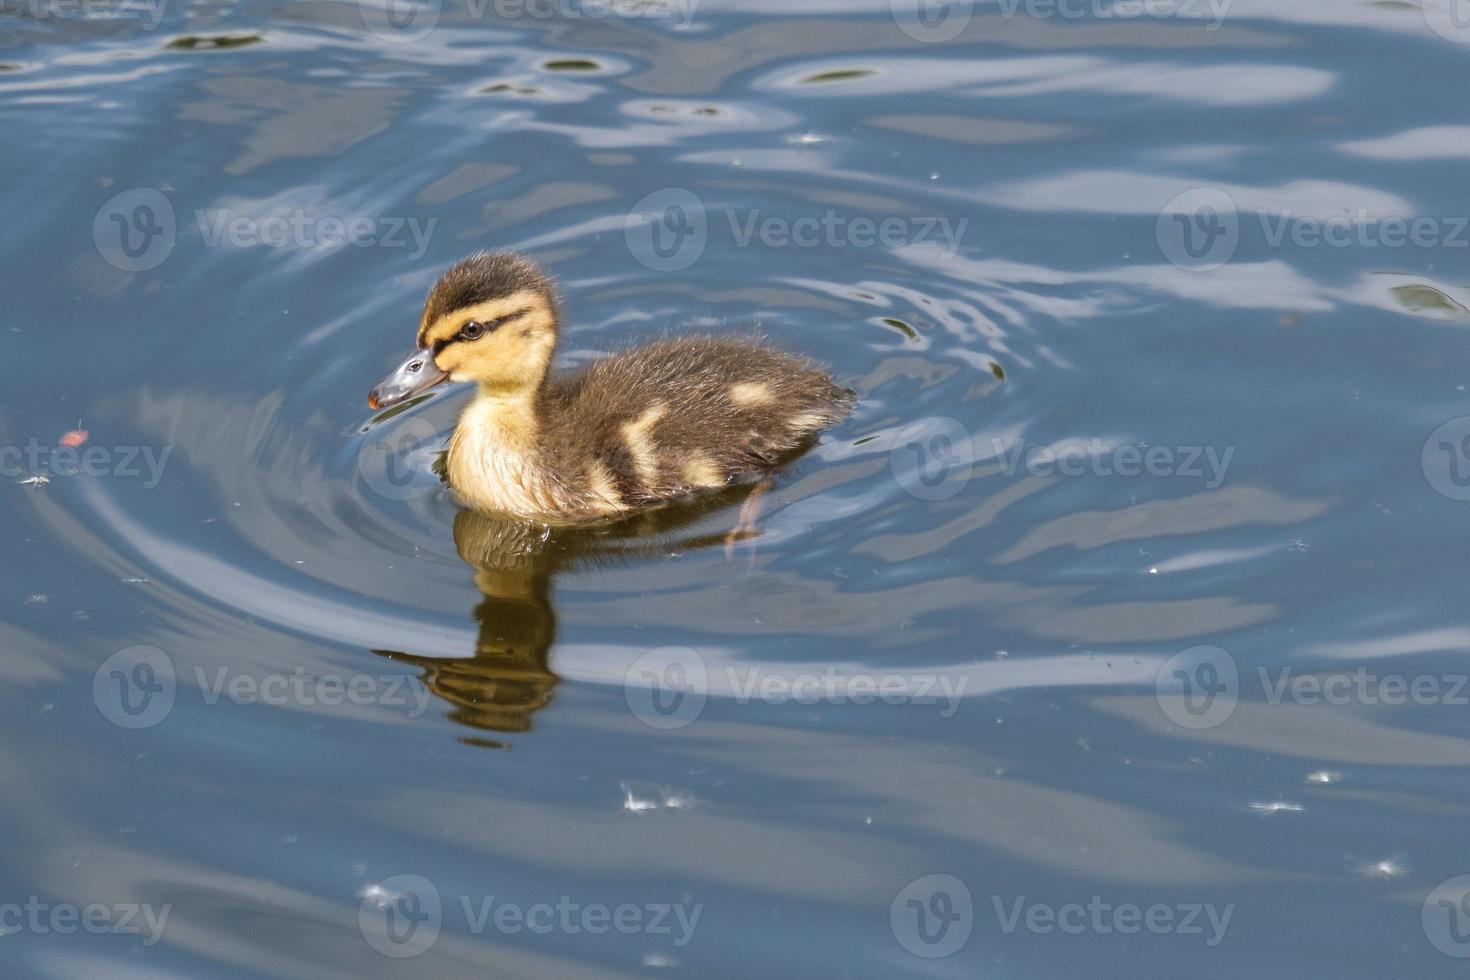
(413, 377)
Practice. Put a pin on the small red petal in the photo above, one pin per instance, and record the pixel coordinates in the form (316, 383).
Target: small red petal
(74, 438)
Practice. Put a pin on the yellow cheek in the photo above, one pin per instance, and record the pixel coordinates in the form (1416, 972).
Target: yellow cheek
(447, 360)
(468, 361)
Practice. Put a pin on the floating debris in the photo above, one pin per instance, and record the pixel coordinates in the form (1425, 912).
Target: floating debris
(1276, 806)
(74, 438)
(669, 110)
(1324, 777)
(511, 88)
(842, 75)
(1389, 867)
(633, 804)
(901, 327)
(1428, 301)
(381, 897)
(39, 480)
(37, 599)
(194, 42)
(572, 64)
(644, 797)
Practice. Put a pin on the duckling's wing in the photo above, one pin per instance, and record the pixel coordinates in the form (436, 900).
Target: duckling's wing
(688, 413)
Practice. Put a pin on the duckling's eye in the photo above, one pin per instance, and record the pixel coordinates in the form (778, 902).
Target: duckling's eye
(473, 330)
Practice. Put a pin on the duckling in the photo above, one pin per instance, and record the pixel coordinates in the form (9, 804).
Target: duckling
(634, 430)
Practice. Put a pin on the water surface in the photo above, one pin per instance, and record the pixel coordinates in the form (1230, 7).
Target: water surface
(1154, 497)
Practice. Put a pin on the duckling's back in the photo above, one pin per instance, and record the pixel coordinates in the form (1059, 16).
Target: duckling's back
(683, 414)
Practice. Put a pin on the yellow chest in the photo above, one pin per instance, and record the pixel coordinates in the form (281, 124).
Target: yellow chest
(492, 460)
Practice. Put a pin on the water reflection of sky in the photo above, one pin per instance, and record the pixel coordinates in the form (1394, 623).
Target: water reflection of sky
(1048, 605)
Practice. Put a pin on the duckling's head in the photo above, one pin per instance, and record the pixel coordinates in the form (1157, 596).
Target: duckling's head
(490, 319)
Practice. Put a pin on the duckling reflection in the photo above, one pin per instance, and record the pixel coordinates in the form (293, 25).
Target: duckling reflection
(509, 678)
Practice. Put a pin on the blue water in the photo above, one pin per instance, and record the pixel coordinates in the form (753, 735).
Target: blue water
(1120, 632)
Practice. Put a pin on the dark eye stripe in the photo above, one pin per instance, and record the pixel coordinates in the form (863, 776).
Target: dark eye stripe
(490, 327)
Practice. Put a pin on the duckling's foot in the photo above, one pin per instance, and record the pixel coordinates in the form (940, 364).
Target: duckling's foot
(745, 529)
